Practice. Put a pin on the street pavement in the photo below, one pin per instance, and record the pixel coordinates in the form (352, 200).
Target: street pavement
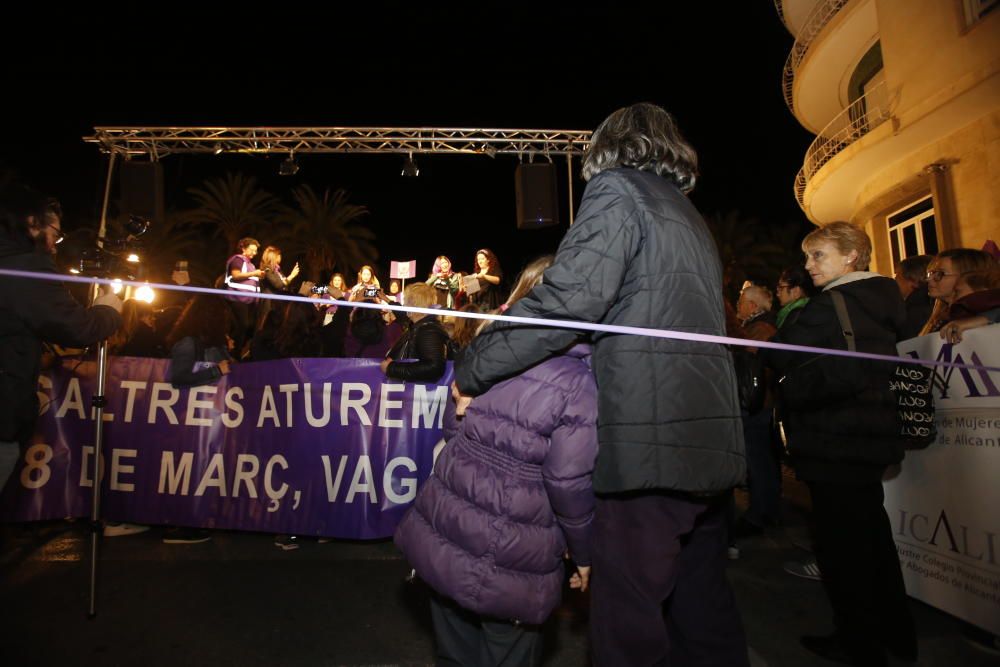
(239, 600)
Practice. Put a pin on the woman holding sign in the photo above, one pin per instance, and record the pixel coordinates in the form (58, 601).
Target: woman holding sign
(483, 285)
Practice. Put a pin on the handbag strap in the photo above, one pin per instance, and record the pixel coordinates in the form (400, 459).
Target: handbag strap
(840, 305)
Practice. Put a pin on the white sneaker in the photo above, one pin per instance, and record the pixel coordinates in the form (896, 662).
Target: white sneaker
(122, 529)
(733, 552)
(807, 569)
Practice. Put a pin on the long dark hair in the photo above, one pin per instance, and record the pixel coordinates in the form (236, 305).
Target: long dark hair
(491, 259)
(205, 317)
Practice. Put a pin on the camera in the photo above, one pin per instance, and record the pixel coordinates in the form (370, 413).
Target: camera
(371, 292)
(319, 289)
(116, 256)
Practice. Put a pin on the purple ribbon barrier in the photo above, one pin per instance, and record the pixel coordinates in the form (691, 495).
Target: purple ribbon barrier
(301, 446)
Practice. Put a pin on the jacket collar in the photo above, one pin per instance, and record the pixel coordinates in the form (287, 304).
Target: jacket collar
(851, 277)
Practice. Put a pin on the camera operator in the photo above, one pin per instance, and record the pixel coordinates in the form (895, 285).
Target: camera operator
(33, 312)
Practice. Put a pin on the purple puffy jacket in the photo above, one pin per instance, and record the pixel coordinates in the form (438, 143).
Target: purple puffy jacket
(509, 492)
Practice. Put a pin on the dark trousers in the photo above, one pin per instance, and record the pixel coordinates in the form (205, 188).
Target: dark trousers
(764, 470)
(659, 593)
(241, 325)
(466, 639)
(861, 573)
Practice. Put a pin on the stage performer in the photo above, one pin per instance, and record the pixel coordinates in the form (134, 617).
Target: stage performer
(445, 282)
(274, 281)
(671, 444)
(510, 494)
(489, 274)
(243, 278)
(36, 312)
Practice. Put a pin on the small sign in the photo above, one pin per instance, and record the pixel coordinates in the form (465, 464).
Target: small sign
(403, 270)
(470, 284)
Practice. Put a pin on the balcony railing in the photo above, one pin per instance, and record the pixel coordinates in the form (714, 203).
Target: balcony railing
(817, 20)
(779, 6)
(861, 117)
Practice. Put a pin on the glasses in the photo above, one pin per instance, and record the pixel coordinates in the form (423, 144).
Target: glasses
(782, 286)
(59, 233)
(937, 275)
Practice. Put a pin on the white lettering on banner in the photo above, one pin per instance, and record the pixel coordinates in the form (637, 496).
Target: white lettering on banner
(232, 404)
(36, 471)
(332, 488)
(363, 469)
(385, 405)
(86, 453)
(246, 476)
(164, 404)
(409, 484)
(117, 468)
(288, 390)
(194, 403)
(73, 400)
(131, 387)
(307, 397)
(44, 396)
(346, 402)
(425, 407)
(268, 410)
(175, 476)
(363, 478)
(274, 494)
(214, 477)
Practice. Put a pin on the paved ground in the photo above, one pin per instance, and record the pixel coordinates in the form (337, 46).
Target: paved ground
(238, 600)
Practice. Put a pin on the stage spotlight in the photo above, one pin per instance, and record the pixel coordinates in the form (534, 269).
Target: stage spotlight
(410, 168)
(133, 258)
(288, 166)
(116, 286)
(145, 293)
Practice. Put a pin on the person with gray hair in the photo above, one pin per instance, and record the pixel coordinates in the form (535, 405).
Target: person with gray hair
(671, 443)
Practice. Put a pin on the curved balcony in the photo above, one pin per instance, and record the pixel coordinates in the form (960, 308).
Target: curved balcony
(818, 19)
(861, 117)
(794, 13)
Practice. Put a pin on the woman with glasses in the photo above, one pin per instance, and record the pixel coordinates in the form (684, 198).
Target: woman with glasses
(792, 291)
(943, 280)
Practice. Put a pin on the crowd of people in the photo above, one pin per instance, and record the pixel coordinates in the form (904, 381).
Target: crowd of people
(620, 453)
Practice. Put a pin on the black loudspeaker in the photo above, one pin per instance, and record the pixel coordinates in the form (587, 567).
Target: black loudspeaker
(141, 190)
(535, 187)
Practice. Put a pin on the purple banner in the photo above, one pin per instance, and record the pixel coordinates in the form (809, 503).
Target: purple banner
(325, 447)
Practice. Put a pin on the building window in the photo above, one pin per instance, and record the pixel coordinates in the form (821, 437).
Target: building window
(912, 231)
(975, 10)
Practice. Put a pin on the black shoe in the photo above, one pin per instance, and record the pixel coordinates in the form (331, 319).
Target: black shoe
(834, 648)
(186, 536)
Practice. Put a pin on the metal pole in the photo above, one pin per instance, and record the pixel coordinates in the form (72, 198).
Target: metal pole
(98, 402)
(569, 179)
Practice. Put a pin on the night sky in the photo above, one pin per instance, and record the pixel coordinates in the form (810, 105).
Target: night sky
(717, 70)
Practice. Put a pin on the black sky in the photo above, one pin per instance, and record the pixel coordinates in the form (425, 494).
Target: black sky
(715, 66)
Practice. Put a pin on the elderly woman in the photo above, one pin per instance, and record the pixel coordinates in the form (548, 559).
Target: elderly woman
(420, 354)
(842, 432)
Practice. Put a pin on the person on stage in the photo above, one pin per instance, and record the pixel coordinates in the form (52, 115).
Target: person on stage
(243, 278)
(274, 281)
(489, 274)
(367, 281)
(445, 282)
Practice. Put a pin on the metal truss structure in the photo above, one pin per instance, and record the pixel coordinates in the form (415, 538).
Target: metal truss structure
(157, 142)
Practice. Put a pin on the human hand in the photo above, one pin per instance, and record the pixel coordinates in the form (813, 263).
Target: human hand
(462, 401)
(952, 332)
(224, 367)
(294, 272)
(385, 365)
(259, 273)
(108, 298)
(580, 578)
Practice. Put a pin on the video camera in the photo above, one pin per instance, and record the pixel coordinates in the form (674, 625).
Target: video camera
(322, 290)
(116, 256)
(371, 292)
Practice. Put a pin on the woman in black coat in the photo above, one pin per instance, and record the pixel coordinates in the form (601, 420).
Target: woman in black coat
(842, 432)
(425, 343)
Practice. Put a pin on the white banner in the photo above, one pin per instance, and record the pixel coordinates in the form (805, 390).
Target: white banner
(944, 505)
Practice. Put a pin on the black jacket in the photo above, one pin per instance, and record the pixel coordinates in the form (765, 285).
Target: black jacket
(33, 311)
(639, 254)
(840, 416)
(427, 343)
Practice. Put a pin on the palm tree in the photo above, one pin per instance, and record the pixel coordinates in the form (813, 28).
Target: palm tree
(234, 206)
(748, 249)
(323, 229)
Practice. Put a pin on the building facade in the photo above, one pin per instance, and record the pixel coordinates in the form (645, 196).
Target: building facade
(904, 99)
